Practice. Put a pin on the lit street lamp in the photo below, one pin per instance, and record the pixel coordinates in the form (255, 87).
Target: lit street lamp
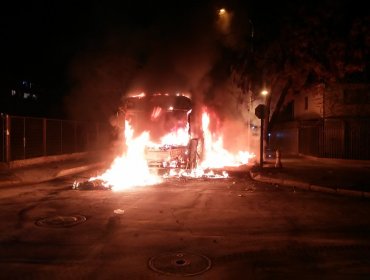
(221, 12)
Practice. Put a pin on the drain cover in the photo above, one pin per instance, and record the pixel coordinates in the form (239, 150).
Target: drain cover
(180, 263)
(60, 221)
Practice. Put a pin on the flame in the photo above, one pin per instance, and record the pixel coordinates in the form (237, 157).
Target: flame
(178, 137)
(215, 156)
(131, 168)
(156, 113)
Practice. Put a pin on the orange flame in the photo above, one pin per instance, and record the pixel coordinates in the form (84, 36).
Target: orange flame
(131, 169)
(215, 156)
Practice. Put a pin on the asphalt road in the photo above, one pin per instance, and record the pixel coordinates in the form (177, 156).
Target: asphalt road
(203, 229)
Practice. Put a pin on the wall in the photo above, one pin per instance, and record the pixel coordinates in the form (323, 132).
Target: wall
(285, 138)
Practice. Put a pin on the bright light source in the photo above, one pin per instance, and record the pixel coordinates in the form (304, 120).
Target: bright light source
(170, 108)
(221, 12)
(264, 92)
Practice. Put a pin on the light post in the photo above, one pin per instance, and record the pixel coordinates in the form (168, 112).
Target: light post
(264, 93)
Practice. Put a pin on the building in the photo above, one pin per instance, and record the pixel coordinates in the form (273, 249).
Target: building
(331, 121)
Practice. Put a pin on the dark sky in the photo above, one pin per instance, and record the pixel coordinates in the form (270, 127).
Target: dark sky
(38, 33)
(96, 51)
(48, 34)
(87, 49)
(40, 37)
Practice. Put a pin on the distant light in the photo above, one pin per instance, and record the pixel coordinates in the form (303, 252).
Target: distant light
(264, 92)
(221, 11)
(170, 108)
(269, 134)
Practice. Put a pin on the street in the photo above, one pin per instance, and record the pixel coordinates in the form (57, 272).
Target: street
(232, 228)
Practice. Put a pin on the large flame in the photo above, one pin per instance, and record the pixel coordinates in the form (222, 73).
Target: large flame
(178, 137)
(131, 168)
(215, 156)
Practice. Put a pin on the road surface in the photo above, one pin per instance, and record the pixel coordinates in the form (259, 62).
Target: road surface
(232, 228)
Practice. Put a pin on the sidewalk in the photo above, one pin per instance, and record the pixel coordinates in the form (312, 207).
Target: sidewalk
(345, 177)
(42, 172)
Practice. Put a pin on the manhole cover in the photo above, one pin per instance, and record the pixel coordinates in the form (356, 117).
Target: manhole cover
(61, 221)
(180, 263)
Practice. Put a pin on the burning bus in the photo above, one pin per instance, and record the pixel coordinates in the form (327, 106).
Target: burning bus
(166, 117)
(164, 131)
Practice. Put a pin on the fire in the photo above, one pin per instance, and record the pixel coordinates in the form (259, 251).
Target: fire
(215, 156)
(131, 169)
(179, 137)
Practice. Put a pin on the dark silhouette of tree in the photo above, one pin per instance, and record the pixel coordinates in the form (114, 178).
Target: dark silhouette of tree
(325, 43)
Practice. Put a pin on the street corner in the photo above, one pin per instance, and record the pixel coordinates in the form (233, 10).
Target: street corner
(259, 176)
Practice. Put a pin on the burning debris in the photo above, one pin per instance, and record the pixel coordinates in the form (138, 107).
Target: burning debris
(91, 185)
(196, 173)
(179, 153)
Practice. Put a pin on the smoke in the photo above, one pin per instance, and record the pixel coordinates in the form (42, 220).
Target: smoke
(176, 48)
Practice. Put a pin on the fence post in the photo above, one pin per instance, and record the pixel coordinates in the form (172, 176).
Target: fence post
(97, 140)
(44, 137)
(24, 138)
(75, 136)
(7, 138)
(61, 136)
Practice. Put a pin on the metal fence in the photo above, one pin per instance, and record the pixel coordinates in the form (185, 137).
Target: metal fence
(335, 138)
(28, 137)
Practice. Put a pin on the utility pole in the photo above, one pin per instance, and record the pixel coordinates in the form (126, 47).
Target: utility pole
(261, 143)
(260, 113)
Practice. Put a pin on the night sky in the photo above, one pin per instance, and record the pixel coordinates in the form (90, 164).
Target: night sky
(94, 52)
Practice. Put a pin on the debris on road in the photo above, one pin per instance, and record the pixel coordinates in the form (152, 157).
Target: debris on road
(90, 185)
(119, 211)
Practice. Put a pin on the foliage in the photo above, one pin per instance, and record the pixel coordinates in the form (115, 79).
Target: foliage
(323, 43)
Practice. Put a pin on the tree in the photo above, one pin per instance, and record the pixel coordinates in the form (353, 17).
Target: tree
(317, 44)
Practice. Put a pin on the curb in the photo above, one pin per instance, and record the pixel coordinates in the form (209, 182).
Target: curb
(307, 186)
(59, 174)
(75, 170)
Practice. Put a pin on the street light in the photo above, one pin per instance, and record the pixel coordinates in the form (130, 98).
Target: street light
(224, 20)
(221, 12)
(264, 93)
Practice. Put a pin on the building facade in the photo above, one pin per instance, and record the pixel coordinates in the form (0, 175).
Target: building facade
(331, 121)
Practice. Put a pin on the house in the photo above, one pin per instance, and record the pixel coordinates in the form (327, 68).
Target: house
(331, 121)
